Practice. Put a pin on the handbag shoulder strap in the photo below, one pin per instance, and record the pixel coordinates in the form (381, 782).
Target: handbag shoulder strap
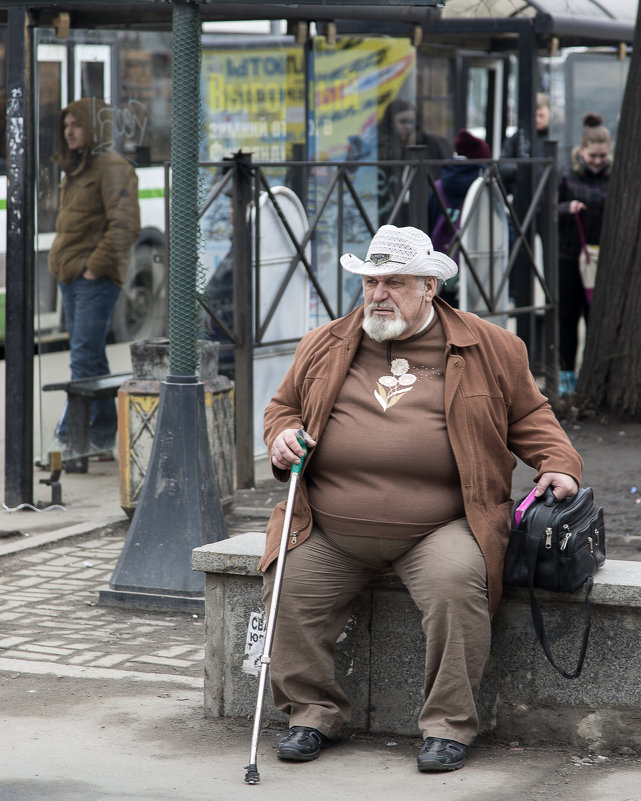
(532, 549)
(584, 245)
(441, 191)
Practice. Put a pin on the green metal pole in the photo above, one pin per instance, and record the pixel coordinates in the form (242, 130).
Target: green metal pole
(179, 508)
(183, 220)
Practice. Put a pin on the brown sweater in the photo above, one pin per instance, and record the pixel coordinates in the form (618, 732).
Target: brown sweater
(493, 409)
(384, 466)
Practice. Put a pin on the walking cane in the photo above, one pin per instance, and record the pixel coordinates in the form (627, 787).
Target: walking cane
(252, 776)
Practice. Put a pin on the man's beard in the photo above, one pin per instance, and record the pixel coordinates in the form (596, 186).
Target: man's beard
(379, 327)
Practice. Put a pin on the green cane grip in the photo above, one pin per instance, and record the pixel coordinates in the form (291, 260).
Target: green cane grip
(300, 436)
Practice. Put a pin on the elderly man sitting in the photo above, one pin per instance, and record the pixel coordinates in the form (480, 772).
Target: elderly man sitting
(413, 411)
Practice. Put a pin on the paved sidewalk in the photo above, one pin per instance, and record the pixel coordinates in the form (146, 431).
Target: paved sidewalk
(102, 704)
(106, 704)
(50, 617)
(49, 585)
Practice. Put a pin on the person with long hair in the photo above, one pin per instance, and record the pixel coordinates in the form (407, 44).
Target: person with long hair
(397, 133)
(583, 190)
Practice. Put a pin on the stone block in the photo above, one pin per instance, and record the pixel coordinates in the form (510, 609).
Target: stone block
(380, 656)
(397, 661)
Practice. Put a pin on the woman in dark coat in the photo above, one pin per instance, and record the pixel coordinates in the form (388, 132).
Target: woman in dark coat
(583, 189)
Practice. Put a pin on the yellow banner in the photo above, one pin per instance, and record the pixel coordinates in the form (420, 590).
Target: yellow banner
(254, 98)
(354, 81)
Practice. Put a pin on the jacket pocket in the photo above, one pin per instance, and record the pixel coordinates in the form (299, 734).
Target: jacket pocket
(85, 197)
(487, 427)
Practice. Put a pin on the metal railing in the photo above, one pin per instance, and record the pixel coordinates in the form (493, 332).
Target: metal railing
(336, 205)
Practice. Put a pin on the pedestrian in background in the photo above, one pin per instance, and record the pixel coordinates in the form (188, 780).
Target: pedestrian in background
(98, 221)
(583, 188)
(397, 133)
(452, 187)
(520, 284)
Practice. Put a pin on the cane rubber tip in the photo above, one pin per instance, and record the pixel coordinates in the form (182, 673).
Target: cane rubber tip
(252, 776)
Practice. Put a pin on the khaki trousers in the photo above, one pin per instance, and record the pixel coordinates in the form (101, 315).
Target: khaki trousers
(445, 575)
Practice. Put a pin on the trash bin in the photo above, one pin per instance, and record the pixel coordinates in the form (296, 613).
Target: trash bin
(138, 401)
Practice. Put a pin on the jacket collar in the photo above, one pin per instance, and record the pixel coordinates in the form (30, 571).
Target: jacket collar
(457, 332)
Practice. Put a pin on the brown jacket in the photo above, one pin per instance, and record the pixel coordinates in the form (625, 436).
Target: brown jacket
(98, 218)
(493, 409)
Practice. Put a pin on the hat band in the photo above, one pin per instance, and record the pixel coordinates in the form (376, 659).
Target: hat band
(417, 259)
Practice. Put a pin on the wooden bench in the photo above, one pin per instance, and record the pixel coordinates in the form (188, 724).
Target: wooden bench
(81, 392)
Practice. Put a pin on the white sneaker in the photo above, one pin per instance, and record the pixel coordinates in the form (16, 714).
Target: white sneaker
(100, 453)
(57, 444)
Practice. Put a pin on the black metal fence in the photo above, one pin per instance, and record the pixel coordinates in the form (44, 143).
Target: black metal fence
(516, 257)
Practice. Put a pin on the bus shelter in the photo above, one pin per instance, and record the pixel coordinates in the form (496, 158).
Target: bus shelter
(459, 70)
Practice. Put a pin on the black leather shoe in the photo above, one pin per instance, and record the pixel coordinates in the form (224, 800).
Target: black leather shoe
(301, 744)
(437, 753)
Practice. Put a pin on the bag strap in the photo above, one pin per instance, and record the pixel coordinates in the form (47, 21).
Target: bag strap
(441, 191)
(584, 245)
(532, 550)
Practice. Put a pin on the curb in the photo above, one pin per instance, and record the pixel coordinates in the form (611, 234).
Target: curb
(28, 542)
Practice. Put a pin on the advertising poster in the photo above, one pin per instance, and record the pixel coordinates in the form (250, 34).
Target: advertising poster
(254, 100)
(353, 82)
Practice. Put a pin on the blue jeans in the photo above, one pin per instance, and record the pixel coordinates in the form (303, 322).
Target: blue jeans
(88, 305)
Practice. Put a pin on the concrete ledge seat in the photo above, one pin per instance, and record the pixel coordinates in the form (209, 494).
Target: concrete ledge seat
(380, 656)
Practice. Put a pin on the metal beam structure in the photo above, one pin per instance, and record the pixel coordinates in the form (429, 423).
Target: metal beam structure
(143, 14)
(501, 34)
(18, 457)
(179, 507)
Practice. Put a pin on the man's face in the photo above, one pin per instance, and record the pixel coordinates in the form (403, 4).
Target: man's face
(542, 118)
(74, 133)
(396, 306)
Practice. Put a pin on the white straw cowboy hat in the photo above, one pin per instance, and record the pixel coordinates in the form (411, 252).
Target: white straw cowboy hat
(407, 251)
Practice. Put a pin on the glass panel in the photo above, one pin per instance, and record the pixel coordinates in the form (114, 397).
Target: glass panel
(359, 90)
(92, 82)
(3, 104)
(477, 91)
(582, 82)
(436, 92)
(253, 99)
(131, 72)
(144, 124)
(49, 82)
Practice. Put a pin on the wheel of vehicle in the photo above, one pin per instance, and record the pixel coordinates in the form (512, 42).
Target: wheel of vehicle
(141, 310)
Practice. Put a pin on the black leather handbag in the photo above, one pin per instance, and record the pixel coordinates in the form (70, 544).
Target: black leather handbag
(556, 545)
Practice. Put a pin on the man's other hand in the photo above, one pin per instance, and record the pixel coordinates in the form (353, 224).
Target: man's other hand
(563, 486)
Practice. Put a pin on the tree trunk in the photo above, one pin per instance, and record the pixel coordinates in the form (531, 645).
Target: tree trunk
(610, 378)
